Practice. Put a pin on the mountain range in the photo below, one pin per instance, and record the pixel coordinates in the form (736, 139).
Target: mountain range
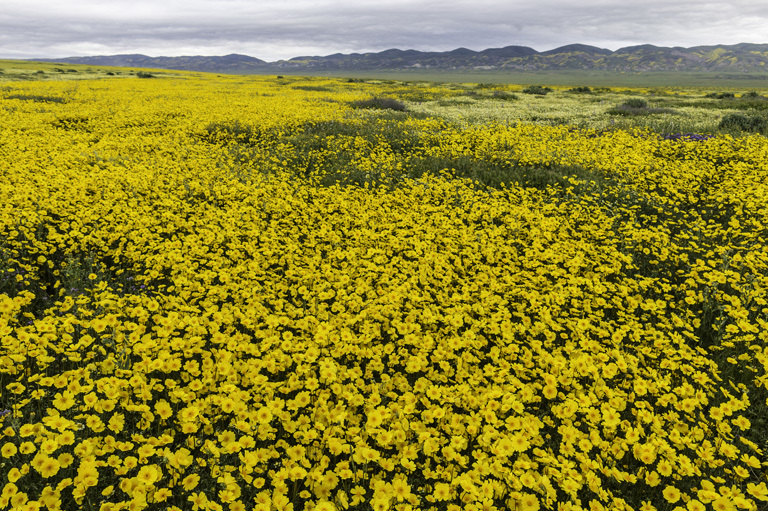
(744, 57)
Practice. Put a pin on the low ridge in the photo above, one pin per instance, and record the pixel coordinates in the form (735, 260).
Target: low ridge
(743, 57)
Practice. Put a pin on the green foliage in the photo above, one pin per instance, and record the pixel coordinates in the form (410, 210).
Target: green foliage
(11, 271)
(458, 101)
(79, 272)
(37, 98)
(311, 151)
(223, 133)
(537, 90)
(742, 122)
(313, 88)
(635, 103)
(637, 107)
(503, 95)
(144, 74)
(73, 123)
(380, 104)
(727, 103)
(720, 95)
(580, 90)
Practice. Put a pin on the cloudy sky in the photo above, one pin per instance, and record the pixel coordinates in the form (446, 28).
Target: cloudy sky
(281, 29)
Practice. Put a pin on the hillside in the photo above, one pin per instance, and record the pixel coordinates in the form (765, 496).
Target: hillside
(211, 64)
(743, 57)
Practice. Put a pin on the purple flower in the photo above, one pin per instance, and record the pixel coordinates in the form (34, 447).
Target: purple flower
(697, 137)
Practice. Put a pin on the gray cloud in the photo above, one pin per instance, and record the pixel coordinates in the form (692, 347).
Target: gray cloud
(276, 29)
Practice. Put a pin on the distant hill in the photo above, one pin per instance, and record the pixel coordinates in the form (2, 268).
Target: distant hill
(743, 57)
(224, 64)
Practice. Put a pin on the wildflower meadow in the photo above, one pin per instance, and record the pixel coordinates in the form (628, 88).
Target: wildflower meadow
(237, 293)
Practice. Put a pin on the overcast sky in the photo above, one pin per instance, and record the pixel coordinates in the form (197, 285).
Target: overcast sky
(280, 29)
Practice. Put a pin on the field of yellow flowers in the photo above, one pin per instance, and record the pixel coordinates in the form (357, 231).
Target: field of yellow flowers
(242, 293)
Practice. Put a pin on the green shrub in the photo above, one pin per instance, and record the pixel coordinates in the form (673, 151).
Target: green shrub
(743, 122)
(635, 103)
(630, 111)
(506, 96)
(580, 90)
(720, 95)
(380, 104)
(143, 74)
(537, 89)
(638, 106)
(313, 88)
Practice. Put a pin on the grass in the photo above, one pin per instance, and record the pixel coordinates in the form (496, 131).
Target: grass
(735, 103)
(629, 110)
(26, 70)
(556, 78)
(22, 70)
